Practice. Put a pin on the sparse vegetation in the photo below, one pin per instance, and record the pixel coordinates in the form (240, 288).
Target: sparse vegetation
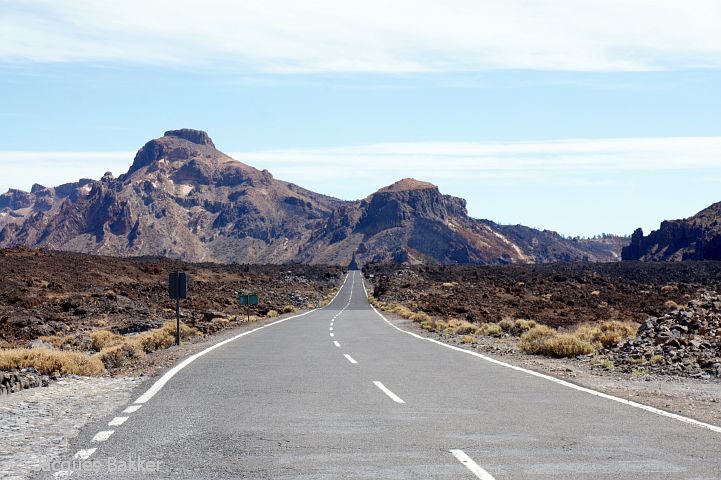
(603, 362)
(272, 313)
(60, 342)
(606, 334)
(289, 309)
(656, 359)
(104, 339)
(491, 329)
(543, 340)
(164, 336)
(671, 305)
(521, 326)
(119, 355)
(50, 362)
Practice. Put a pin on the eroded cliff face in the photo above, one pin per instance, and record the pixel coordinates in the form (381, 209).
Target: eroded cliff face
(693, 238)
(183, 198)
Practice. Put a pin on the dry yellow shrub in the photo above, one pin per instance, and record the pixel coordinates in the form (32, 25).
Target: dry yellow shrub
(51, 362)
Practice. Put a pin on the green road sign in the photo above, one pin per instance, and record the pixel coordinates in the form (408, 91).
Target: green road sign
(248, 299)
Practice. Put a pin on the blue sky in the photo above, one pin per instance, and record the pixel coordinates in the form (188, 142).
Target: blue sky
(581, 117)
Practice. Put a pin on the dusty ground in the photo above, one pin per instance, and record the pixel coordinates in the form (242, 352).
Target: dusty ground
(558, 295)
(62, 293)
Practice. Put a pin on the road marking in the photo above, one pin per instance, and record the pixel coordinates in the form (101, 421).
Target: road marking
(157, 386)
(117, 421)
(331, 329)
(102, 436)
(336, 293)
(385, 390)
(350, 359)
(85, 454)
(332, 335)
(564, 383)
(132, 409)
(335, 342)
(471, 465)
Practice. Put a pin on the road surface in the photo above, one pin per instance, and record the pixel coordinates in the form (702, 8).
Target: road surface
(340, 393)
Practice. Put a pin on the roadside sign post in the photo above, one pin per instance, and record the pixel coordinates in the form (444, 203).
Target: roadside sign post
(248, 300)
(178, 288)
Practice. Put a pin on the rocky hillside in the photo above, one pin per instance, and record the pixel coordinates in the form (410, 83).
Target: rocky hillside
(686, 341)
(693, 238)
(182, 198)
(64, 293)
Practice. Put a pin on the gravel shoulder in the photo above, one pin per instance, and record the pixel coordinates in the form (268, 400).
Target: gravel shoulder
(695, 398)
(36, 425)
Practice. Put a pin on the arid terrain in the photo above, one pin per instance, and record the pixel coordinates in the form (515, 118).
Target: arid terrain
(558, 295)
(629, 316)
(70, 302)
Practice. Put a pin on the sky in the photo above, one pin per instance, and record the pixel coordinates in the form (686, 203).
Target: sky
(588, 117)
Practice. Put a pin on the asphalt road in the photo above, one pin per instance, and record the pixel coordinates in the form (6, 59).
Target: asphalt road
(340, 393)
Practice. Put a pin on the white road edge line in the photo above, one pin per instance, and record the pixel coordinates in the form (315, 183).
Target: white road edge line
(85, 454)
(132, 409)
(349, 358)
(117, 421)
(336, 293)
(102, 436)
(471, 465)
(158, 385)
(385, 390)
(564, 383)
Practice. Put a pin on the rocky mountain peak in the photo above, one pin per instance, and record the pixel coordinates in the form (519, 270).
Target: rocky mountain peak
(408, 184)
(195, 136)
(183, 198)
(175, 145)
(694, 238)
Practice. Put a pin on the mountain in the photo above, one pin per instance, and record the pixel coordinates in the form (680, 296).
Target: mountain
(183, 198)
(694, 238)
(180, 198)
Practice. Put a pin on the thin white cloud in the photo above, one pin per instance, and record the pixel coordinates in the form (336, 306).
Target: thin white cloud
(22, 169)
(513, 160)
(563, 162)
(323, 36)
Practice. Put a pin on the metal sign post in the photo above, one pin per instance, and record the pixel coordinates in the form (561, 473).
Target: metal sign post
(248, 300)
(178, 288)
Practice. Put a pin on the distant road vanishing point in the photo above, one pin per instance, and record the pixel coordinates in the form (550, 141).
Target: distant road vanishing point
(341, 393)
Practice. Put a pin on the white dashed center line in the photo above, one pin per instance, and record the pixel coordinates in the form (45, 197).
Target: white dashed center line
(349, 358)
(332, 335)
(132, 409)
(117, 421)
(335, 342)
(471, 465)
(385, 390)
(85, 454)
(102, 436)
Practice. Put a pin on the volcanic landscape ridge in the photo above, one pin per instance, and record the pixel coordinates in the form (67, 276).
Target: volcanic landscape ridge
(182, 198)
